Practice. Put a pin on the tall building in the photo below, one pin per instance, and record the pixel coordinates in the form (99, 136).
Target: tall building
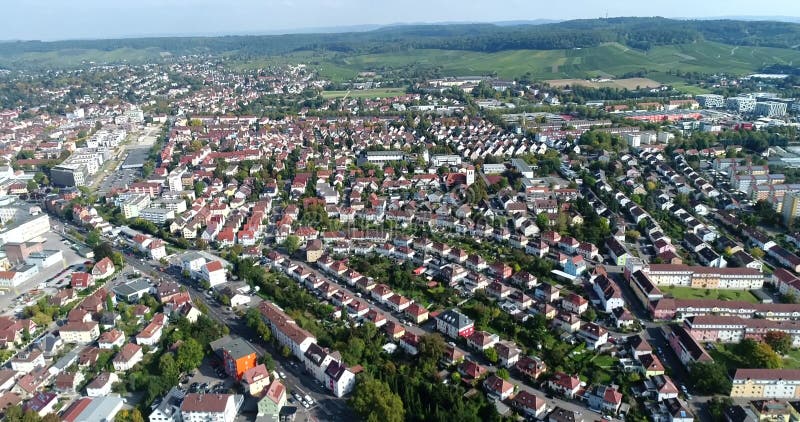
(770, 108)
(742, 104)
(710, 100)
(791, 206)
(68, 175)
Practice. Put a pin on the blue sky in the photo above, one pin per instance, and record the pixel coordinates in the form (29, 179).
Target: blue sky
(63, 19)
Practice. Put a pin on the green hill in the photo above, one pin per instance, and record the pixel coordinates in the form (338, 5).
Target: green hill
(571, 49)
(610, 59)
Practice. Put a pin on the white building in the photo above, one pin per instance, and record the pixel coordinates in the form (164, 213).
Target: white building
(208, 408)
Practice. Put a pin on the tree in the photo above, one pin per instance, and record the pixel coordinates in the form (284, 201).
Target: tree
(375, 402)
(503, 374)
(32, 186)
(199, 188)
(755, 354)
(780, 341)
(590, 315)
(292, 244)
(757, 253)
(709, 378)
(632, 235)
(717, 406)
(103, 250)
(431, 346)
(491, 355)
(51, 417)
(190, 355)
(93, 238)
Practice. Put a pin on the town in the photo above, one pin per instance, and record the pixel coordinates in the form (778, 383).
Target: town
(192, 240)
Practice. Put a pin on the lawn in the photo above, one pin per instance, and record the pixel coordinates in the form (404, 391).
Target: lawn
(365, 93)
(690, 293)
(792, 360)
(724, 354)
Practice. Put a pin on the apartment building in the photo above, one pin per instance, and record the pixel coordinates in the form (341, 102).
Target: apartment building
(766, 383)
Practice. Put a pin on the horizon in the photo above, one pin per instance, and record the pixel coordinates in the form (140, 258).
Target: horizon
(51, 20)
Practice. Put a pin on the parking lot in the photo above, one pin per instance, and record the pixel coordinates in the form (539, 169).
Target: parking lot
(209, 378)
(47, 279)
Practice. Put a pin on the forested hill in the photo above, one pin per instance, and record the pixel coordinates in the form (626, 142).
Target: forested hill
(639, 33)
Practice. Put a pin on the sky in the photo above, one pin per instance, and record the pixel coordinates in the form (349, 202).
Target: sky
(80, 19)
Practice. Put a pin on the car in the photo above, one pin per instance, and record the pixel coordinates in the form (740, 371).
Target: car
(308, 399)
(305, 404)
(282, 375)
(295, 395)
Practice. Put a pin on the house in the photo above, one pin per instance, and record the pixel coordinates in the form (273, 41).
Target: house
(529, 405)
(564, 384)
(606, 399)
(103, 269)
(766, 383)
(339, 379)
(547, 292)
(410, 343)
(498, 388)
(650, 365)
(417, 313)
(454, 324)
(26, 362)
(168, 408)
(575, 303)
(452, 356)
(238, 356)
(101, 385)
(609, 293)
(132, 291)
(273, 401)
(110, 339)
(316, 361)
(398, 303)
(128, 356)
(80, 332)
(50, 344)
(151, 334)
(686, 347)
(255, 380)
(42, 403)
(209, 407)
(213, 273)
(471, 371)
(81, 280)
(560, 414)
(594, 335)
(530, 367)
(507, 353)
(482, 340)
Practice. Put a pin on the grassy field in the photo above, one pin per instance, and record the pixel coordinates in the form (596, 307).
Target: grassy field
(365, 93)
(608, 60)
(689, 293)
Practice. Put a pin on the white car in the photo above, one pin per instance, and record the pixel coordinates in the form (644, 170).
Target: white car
(305, 404)
(282, 375)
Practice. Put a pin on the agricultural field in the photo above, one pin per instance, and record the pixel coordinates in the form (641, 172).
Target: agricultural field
(690, 293)
(365, 93)
(627, 83)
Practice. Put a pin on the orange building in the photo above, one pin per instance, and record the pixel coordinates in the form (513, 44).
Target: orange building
(238, 356)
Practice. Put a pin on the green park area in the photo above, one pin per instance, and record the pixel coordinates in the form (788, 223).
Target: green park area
(690, 293)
